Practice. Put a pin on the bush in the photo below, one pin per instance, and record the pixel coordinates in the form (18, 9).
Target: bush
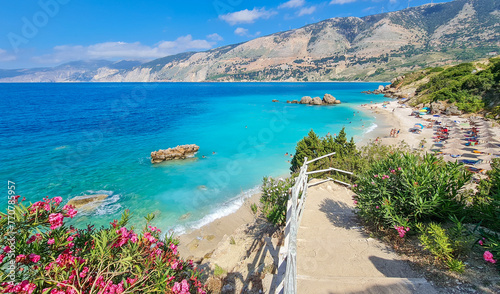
(51, 257)
(486, 203)
(404, 189)
(435, 239)
(274, 199)
(346, 156)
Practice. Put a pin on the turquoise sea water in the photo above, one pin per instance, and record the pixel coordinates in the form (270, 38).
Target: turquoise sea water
(76, 139)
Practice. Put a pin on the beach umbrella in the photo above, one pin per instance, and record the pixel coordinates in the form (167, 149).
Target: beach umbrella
(490, 145)
(448, 158)
(453, 145)
(487, 157)
(419, 125)
(454, 151)
(490, 151)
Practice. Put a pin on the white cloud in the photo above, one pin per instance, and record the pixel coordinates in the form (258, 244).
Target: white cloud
(123, 50)
(241, 32)
(215, 37)
(4, 56)
(307, 10)
(369, 8)
(292, 4)
(246, 16)
(343, 1)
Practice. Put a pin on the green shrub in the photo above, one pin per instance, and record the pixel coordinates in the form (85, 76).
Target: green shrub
(346, 156)
(485, 208)
(403, 189)
(274, 199)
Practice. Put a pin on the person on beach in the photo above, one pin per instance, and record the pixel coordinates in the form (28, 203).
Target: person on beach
(397, 135)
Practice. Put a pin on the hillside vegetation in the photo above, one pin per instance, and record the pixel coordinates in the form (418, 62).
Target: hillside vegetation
(474, 87)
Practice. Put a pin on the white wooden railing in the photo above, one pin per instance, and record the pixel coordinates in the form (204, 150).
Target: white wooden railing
(287, 267)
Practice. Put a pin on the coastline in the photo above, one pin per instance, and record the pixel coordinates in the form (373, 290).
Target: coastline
(198, 244)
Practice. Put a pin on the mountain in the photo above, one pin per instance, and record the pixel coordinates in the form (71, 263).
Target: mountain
(377, 47)
(75, 71)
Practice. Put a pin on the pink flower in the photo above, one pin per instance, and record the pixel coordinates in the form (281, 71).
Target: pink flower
(56, 220)
(1, 258)
(20, 258)
(6, 249)
(175, 264)
(488, 256)
(401, 230)
(355, 202)
(399, 168)
(70, 238)
(174, 248)
(133, 239)
(51, 241)
(377, 207)
(34, 258)
(481, 242)
(376, 176)
(57, 200)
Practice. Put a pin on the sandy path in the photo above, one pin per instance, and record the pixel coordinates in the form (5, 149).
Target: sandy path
(334, 255)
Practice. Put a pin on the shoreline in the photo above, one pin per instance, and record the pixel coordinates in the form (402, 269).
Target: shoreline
(199, 243)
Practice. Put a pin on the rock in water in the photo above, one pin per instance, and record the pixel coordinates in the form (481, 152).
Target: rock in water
(276, 100)
(316, 101)
(305, 100)
(179, 152)
(337, 101)
(329, 99)
(80, 201)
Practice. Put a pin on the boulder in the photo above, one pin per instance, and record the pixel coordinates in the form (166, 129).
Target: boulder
(453, 110)
(381, 88)
(305, 100)
(288, 101)
(275, 100)
(387, 87)
(388, 95)
(337, 101)
(437, 107)
(296, 101)
(80, 201)
(316, 101)
(179, 152)
(328, 99)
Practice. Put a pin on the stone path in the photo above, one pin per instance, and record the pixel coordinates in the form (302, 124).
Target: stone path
(335, 256)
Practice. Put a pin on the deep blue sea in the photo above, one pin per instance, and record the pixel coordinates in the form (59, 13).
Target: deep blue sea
(76, 139)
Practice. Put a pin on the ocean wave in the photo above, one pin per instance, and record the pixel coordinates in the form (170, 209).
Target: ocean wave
(104, 207)
(371, 128)
(221, 211)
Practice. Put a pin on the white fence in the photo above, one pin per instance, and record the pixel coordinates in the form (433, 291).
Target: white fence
(287, 267)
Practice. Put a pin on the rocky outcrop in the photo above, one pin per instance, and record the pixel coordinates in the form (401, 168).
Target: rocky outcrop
(453, 110)
(275, 100)
(179, 152)
(316, 101)
(329, 99)
(306, 100)
(87, 202)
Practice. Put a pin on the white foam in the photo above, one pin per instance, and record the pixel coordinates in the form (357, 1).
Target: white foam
(222, 210)
(371, 128)
(106, 206)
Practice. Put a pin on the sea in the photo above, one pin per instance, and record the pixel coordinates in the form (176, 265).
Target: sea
(72, 139)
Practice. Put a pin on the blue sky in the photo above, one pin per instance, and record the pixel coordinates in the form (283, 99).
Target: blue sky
(50, 32)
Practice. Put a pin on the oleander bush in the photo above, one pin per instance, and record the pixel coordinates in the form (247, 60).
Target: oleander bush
(41, 254)
(403, 189)
(275, 193)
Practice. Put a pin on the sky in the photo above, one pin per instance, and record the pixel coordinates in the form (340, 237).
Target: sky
(41, 33)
